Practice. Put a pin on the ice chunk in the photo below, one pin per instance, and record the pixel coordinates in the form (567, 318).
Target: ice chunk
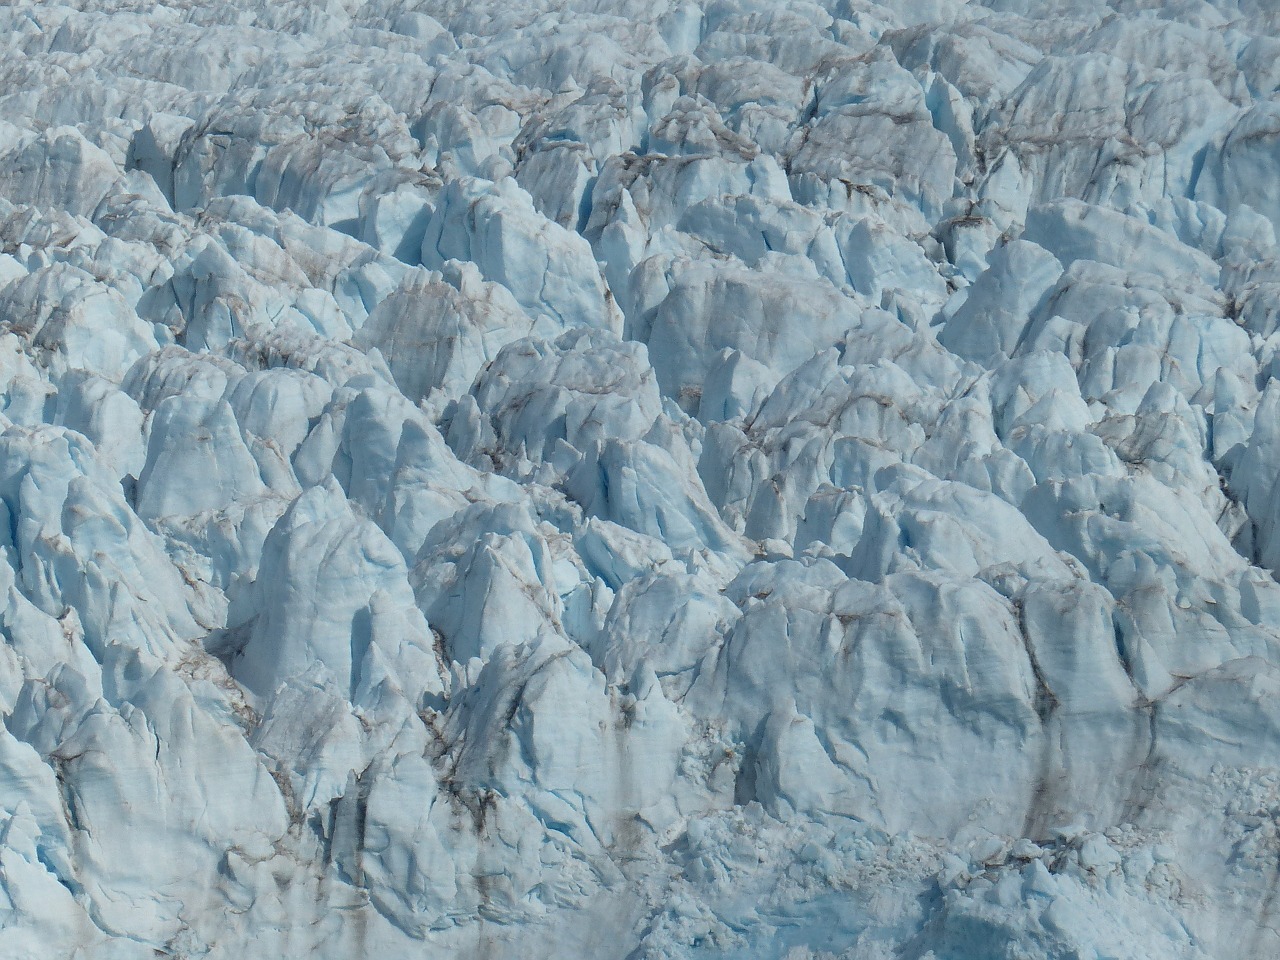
(1072, 230)
(61, 170)
(332, 588)
(548, 269)
(992, 320)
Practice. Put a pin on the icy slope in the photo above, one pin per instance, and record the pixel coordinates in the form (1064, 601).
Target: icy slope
(640, 480)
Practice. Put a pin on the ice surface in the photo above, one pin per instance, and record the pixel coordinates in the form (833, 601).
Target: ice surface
(654, 480)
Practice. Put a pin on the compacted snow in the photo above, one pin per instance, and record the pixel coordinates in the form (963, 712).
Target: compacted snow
(640, 479)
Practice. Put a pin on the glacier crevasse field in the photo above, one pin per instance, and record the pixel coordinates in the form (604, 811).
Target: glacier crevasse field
(640, 479)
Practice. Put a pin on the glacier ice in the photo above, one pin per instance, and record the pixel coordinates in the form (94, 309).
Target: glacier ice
(667, 480)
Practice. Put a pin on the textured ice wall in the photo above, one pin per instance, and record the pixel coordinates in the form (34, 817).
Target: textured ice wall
(640, 479)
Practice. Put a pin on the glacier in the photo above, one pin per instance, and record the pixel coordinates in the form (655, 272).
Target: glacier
(664, 480)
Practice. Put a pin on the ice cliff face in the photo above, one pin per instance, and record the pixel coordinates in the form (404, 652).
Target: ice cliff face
(647, 480)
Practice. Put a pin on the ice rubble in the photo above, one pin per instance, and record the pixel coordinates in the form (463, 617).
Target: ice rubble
(652, 480)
